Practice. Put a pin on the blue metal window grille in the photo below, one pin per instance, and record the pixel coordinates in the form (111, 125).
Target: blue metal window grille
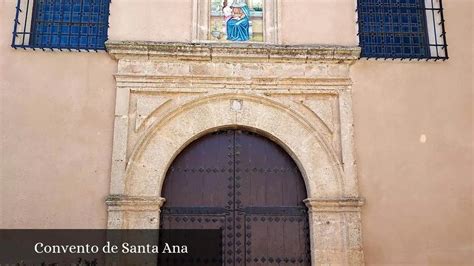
(404, 29)
(61, 24)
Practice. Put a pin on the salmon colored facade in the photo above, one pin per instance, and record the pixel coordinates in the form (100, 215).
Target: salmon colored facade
(413, 128)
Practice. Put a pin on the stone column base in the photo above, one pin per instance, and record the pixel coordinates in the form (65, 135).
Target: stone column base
(335, 231)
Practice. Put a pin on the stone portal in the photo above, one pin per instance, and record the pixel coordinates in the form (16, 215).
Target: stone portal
(170, 94)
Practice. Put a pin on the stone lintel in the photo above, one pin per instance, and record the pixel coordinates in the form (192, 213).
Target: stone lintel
(334, 205)
(231, 52)
(134, 203)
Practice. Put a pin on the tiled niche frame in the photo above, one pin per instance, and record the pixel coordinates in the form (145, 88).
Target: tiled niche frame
(271, 21)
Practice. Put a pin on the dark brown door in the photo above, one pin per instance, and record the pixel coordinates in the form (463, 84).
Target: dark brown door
(247, 186)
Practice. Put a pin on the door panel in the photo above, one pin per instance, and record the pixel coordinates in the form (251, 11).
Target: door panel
(269, 175)
(247, 186)
(195, 174)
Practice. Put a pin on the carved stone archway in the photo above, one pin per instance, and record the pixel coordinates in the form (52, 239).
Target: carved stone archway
(169, 94)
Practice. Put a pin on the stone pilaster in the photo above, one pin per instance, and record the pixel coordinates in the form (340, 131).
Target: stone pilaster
(336, 237)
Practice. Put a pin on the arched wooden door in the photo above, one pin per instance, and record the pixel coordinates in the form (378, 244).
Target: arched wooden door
(246, 185)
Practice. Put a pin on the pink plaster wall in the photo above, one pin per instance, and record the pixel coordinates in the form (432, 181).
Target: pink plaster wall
(318, 22)
(57, 123)
(56, 131)
(419, 195)
(151, 20)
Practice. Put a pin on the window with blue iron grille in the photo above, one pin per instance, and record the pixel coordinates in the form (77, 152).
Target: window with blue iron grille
(404, 29)
(61, 24)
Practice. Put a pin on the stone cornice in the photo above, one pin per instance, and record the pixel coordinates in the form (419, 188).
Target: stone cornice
(231, 52)
(334, 205)
(154, 81)
(134, 203)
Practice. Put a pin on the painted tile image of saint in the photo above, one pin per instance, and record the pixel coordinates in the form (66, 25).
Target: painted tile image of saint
(237, 18)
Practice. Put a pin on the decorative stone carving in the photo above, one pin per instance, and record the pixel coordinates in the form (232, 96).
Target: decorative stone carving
(323, 108)
(298, 96)
(145, 107)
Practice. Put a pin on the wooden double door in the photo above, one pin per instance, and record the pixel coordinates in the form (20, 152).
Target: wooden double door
(249, 187)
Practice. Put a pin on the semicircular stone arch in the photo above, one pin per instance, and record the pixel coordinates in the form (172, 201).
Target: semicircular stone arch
(148, 164)
(333, 212)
